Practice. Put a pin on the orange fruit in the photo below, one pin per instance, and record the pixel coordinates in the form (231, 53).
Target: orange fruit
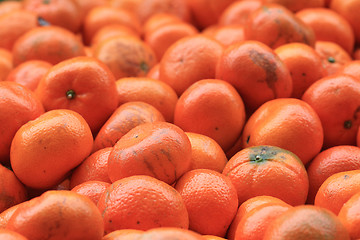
(154, 73)
(329, 25)
(125, 118)
(206, 153)
(6, 234)
(44, 150)
(268, 170)
(307, 222)
(64, 185)
(29, 73)
(14, 24)
(356, 53)
(188, 60)
(159, 20)
(159, 149)
(51, 43)
(337, 189)
(333, 56)
(351, 68)
(254, 223)
(18, 105)
(304, 63)
(299, 4)
(151, 91)
(336, 100)
(104, 15)
(229, 34)
(210, 30)
(131, 5)
(142, 202)
(93, 168)
(252, 65)
(213, 108)
(8, 6)
(123, 234)
(287, 123)
(349, 216)
(328, 162)
(205, 12)
(91, 189)
(238, 12)
(249, 205)
(148, 8)
(57, 214)
(6, 64)
(112, 30)
(126, 56)
(210, 199)
(358, 138)
(82, 84)
(212, 237)
(12, 190)
(62, 13)
(6, 214)
(161, 38)
(85, 6)
(275, 25)
(171, 233)
(348, 10)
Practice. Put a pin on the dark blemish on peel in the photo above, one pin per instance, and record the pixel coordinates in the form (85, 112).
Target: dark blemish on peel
(267, 62)
(347, 124)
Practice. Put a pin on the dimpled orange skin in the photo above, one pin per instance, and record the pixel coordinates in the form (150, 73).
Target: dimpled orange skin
(328, 25)
(126, 56)
(252, 65)
(328, 162)
(12, 190)
(51, 43)
(306, 222)
(94, 167)
(18, 105)
(288, 123)
(337, 189)
(188, 60)
(349, 9)
(44, 150)
(82, 84)
(123, 119)
(59, 214)
(160, 149)
(62, 13)
(336, 100)
(349, 216)
(14, 24)
(213, 108)
(151, 91)
(142, 202)
(206, 152)
(304, 64)
(29, 73)
(275, 25)
(210, 199)
(254, 223)
(91, 189)
(268, 170)
(249, 205)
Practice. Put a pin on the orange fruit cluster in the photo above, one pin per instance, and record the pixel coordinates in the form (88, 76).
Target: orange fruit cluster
(179, 119)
